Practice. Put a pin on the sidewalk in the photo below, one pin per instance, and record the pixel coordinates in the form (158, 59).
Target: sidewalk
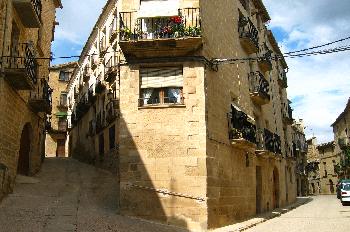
(242, 226)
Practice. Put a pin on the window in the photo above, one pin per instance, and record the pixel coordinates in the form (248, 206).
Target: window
(161, 86)
(112, 137)
(63, 99)
(64, 76)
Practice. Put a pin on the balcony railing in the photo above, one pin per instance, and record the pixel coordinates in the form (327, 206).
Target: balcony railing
(242, 130)
(91, 95)
(29, 12)
(287, 113)
(112, 68)
(41, 101)
(160, 36)
(100, 86)
(62, 104)
(265, 58)
(249, 35)
(282, 79)
(48, 123)
(20, 66)
(259, 88)
(112, 112)
(186, 24)
(268, 142)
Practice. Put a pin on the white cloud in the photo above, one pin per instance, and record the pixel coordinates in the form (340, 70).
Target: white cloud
(320, 84)
(77, 19)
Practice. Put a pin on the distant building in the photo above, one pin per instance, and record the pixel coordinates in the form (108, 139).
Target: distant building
(56, 138)
(322, 168)
(299, 152)
(341, 130)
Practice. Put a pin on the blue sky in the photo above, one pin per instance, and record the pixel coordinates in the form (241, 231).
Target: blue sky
(318, 86)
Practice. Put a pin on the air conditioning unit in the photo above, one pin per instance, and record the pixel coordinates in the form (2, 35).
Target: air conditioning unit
(343, 142)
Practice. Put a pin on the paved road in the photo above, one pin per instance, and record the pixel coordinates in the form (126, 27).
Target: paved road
(322, 214)
(68, 196)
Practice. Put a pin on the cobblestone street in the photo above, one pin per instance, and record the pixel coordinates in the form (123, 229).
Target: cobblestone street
(68, 196)
(322, 214)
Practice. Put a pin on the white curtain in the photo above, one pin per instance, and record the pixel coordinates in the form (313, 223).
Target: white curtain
(174, 93)
(147, 93)
(161, 77)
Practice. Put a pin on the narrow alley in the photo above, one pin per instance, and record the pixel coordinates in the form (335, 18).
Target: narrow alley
(68, 196)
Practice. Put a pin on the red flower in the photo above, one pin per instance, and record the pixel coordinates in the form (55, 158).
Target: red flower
(176, 19)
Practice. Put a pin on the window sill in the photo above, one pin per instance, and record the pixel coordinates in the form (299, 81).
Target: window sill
(162, 106)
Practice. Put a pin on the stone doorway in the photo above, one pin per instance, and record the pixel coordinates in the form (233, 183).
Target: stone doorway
(258, 189)
(331, 186)
(61, 148)
(275, 197)
(24, 151)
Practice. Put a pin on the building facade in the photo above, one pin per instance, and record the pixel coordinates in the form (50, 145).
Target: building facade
(322, 166)
(341, 130)
(26, 31)
(186, 102)
(299, 152)
(56, 144)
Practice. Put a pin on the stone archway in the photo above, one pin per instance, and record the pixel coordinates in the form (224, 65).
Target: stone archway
(276, 189)
(24, 151)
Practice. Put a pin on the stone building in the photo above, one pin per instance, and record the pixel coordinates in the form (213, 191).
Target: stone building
(26, 32)
(322, 167)
(186, 101)
(341, 130)
(56, 144)
(299, 152)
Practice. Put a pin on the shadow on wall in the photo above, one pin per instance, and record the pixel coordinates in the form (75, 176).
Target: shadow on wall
(138, 196)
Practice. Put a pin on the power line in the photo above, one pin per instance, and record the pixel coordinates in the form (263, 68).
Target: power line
(319, 46)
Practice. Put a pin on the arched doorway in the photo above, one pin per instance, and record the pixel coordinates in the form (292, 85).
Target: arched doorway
(24, 151)
(276, 189)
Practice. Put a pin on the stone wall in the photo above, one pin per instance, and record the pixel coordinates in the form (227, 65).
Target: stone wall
(16, 113)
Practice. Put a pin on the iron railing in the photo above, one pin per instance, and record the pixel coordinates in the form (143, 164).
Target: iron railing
(240, 126)
(258, 84)
(186, 24)
(112, 65)
(99, 86)
(266, 140)
(287, 111)
(21, 56)
(283, 78)
(246, 29)
(265, 54)
(37, 5)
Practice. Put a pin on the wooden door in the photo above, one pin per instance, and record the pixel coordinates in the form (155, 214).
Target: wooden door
(61, 148)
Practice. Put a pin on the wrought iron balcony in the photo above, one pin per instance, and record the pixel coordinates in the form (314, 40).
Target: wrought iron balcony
(62, 104)
(282, 79)
(242, 129)
(265, 58)
(160, 36)
(86, 73)
(41, 100)
(112, 68)
(99, 87)
(249, 35)
(100, 122)
(29, 12)
(112, 112)
(268, 143)
(91, 96)
(20, 66)
(82, 107)
(287, 114)
(48, 123)
(259, 88)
